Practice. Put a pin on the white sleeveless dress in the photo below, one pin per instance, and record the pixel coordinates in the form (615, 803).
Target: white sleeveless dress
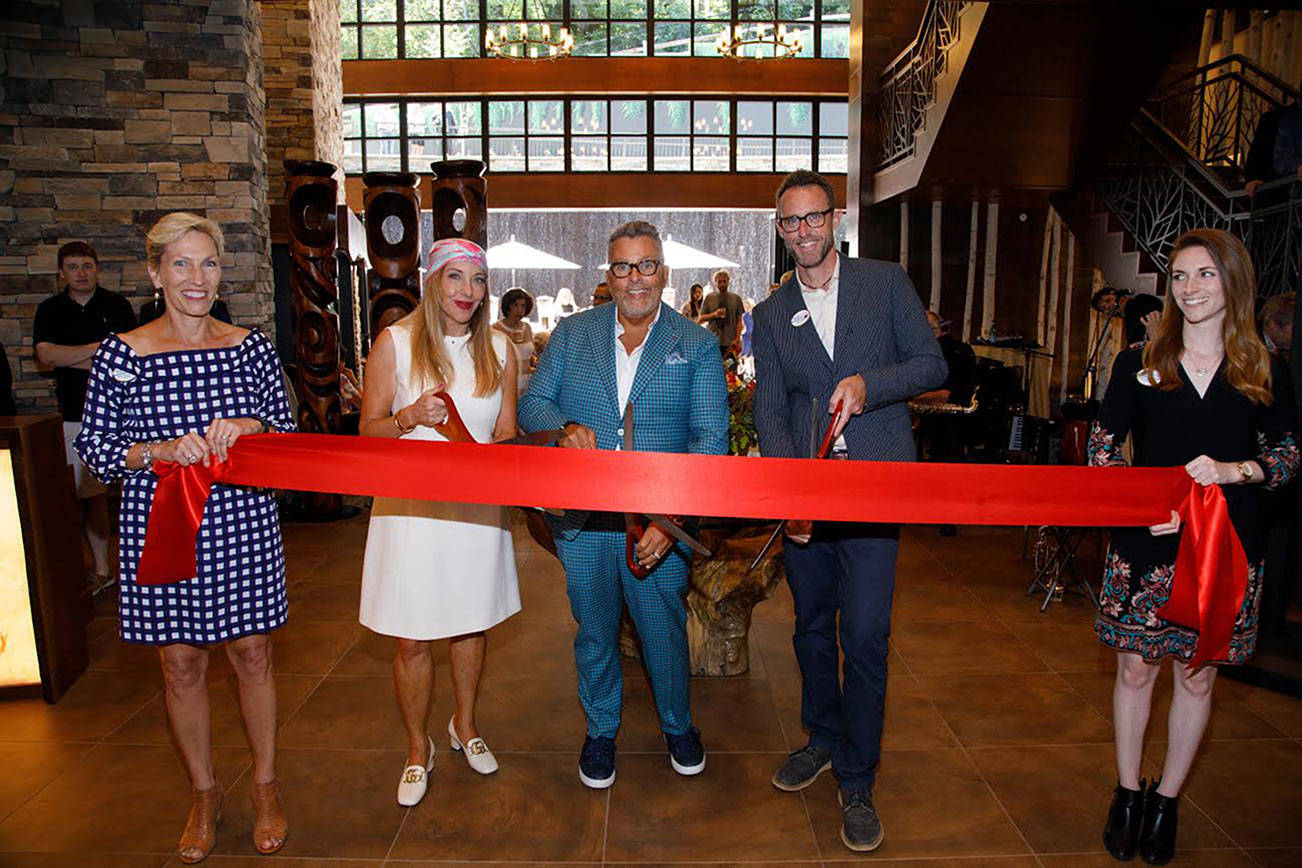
(432, 569)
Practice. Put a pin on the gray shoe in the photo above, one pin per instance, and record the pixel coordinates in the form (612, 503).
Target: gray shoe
(801, 768)
(861, 830)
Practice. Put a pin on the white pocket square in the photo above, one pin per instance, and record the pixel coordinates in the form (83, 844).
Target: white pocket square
(675, 358)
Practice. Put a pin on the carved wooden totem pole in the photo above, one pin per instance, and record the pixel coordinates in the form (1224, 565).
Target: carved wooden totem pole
(392, 206)
(460, 201)
(311, 191)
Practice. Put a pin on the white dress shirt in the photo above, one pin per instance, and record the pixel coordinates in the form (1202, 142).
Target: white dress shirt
(626, 362)
(821, 304)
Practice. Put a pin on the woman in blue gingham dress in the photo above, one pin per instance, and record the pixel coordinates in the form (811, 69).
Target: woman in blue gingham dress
(183, 389)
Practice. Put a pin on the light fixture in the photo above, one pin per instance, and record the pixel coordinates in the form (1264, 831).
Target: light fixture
(761, 40)
(526, 40)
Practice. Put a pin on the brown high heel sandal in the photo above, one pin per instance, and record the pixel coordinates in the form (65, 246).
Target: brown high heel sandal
(201, 828)
(269, 817)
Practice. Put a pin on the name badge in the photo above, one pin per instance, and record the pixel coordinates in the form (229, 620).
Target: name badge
(799, 318)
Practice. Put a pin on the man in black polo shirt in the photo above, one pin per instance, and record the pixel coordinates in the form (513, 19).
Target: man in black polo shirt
(69, 327)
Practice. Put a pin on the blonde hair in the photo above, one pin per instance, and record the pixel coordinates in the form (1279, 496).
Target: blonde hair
(430, 364)
(172, 227)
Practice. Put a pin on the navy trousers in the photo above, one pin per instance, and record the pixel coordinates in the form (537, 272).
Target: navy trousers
(846, 570)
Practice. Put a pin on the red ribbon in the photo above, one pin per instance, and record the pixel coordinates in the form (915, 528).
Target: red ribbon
(1210, 573)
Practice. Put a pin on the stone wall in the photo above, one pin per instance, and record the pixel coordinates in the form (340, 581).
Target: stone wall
(112, 114)
(303, 76)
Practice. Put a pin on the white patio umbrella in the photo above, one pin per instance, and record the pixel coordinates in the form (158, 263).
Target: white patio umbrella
(513, 254)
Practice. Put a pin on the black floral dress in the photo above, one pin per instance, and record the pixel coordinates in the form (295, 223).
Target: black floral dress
(1170, 429)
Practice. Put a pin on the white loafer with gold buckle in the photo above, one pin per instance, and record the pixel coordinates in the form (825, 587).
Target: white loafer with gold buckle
(415, 779)
(481, 759)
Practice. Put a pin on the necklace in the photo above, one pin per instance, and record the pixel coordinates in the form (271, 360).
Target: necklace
(1201, 370)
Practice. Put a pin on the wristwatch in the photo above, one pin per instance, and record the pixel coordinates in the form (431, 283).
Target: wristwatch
(1245, 470)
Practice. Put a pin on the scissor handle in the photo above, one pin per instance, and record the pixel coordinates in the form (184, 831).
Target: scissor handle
(633, 530)
(825, 448)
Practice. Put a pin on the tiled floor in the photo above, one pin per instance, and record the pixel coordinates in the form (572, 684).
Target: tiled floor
(997, 747)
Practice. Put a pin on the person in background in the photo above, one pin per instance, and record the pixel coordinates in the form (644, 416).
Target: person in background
(601, 295)
(1287, 157)
(68, 330)
(1277, 316)
(721, 311)
(516, 307)
(8, 407)
(154, 308)
(183, 389)
(1140, 316)
(692, 309)
(958, 385)
(1259, 167)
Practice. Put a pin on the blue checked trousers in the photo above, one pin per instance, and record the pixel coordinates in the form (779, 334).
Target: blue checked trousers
(599, 583)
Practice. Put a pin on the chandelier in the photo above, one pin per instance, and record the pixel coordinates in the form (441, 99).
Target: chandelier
(759, 41)
(520, 41)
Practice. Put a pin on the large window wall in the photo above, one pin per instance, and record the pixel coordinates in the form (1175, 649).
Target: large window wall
(598, 134)
(389, 29)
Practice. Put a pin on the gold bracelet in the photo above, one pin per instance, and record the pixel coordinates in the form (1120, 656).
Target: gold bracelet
(401, 430)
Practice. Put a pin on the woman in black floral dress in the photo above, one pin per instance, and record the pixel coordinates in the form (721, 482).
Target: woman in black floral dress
(1201, 394)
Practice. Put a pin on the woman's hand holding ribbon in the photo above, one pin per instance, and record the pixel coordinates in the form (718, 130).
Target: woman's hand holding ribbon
(222, 434)
(426, 410)
(184, 450)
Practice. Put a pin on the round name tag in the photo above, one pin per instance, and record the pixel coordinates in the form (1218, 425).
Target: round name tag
(799, 318)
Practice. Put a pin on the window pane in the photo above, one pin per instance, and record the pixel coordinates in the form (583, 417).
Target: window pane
(546, 116)
(755, 155)
(672, 116)
(588, 154)
(628, 115)
(381, 119)
(628, 9)
(805, 34)
(793, 10)
(544, 10)
(379, 42)
(461, 40)
(795, 118)
(628, 38)
(352, 120)
(793, 154)
(349, 43)
(673, 8)
(712, 9)
(352, 155)
(589, 38)
(710, 117)
(420, 10)
(832, 155)
(584, 9)
(423, 40)
(754, 10)
(506, 155)
(547, 154)
(464, 149)
(588, 116)
(673, 37)
(833, 119)
(836, 10)
(422, 152)
(462, 118)
(379, 10)
(383, 155)
(347, 10)
(506, 116)
(836, 40)
(755, 118)
(505, 9)
(710, 154)
(628, 154)
(706, 35)
(672, 153)
(460, 10)
(424, 118)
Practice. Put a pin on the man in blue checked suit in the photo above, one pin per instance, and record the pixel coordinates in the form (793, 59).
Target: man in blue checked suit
(637, 352)
(847, 332)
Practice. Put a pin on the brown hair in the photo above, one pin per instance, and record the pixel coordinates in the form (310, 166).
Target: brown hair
(806, 178)
(77, 248)
(1247, 363)
(430, 364)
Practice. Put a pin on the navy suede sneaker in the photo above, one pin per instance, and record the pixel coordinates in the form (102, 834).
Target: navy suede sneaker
(686, 753)
(597, 762)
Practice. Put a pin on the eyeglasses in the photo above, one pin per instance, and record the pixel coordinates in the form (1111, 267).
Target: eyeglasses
(814, 220)
(645, 267)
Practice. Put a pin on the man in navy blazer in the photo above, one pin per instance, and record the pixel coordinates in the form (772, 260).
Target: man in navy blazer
(641, 356)
(850, 333)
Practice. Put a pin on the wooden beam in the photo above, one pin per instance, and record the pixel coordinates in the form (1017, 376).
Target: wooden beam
(626, 190)
(579, 75)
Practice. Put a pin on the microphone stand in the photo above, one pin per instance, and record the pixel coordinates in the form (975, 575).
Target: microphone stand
(1088, 378)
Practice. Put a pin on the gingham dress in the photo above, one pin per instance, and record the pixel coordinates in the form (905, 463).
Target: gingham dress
(240, 586)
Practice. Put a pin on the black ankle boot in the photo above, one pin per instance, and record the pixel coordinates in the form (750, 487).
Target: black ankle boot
(1121, 834)
(1157, 836)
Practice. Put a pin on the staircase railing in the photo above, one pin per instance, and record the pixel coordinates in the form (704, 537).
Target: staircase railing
(909, 81)
(1215, 109)
(1157, 187)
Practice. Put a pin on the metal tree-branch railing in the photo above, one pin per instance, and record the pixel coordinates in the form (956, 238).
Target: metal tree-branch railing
(909, 82)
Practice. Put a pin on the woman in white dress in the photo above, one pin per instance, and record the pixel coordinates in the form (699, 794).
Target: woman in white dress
(516, 305)
(440, 570)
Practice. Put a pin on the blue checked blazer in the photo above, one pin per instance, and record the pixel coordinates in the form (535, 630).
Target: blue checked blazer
(881, 334)
(680, 402)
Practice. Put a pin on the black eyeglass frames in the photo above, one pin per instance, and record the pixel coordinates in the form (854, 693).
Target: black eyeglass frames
(814, 220)
(645, 267)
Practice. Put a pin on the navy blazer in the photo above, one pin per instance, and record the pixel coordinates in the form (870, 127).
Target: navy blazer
(882, 334)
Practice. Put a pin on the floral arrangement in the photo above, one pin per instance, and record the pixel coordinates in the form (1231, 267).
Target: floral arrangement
(741, 411)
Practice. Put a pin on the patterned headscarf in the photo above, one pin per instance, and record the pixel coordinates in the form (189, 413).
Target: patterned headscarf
(447, 250)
